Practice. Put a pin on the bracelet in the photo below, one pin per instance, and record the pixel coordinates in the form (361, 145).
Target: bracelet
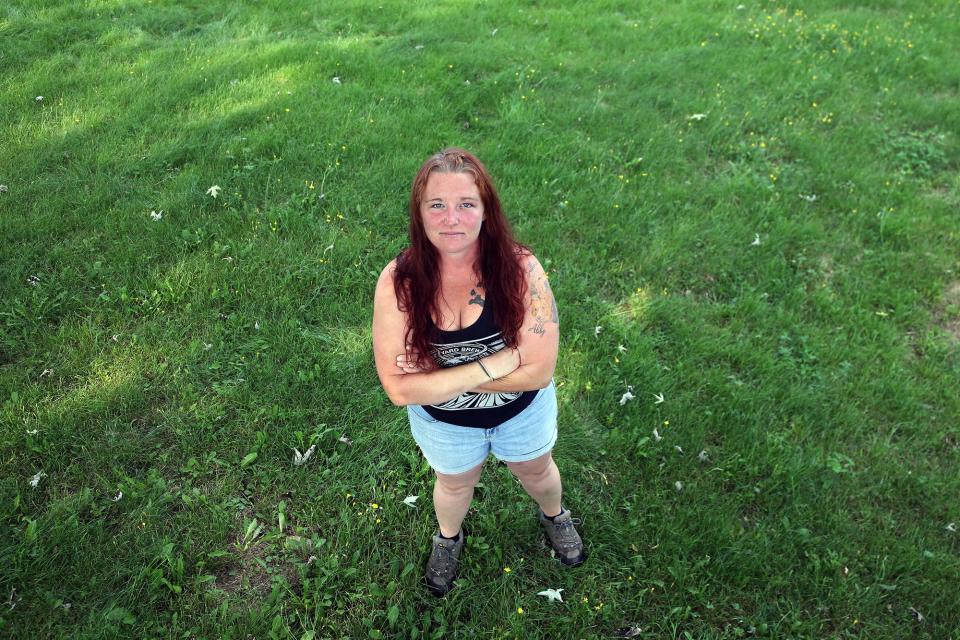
(485, 370)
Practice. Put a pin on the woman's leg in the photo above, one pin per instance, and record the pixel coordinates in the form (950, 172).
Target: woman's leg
(451, 498)
(541, 479)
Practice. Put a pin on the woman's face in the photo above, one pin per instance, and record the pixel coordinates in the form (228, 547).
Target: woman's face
(452, 212)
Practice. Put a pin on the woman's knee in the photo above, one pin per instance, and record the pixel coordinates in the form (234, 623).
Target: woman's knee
(536, 468)
(460, 481)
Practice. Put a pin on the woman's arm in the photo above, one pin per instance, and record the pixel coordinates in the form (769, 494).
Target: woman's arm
(432, 387)
(539, 336)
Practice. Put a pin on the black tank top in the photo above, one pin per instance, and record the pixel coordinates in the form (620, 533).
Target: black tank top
(452, 348)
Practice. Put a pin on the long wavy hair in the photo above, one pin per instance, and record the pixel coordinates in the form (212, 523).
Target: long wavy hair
(417, 277)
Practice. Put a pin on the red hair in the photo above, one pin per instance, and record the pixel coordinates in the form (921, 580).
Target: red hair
(416, 280)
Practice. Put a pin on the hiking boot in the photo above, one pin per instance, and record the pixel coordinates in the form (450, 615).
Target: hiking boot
(564, 538)
(441, 568)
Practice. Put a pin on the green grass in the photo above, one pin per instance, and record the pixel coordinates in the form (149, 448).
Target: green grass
(180, 361)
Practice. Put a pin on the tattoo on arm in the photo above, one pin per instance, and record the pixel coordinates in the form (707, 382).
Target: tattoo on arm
(542, 313)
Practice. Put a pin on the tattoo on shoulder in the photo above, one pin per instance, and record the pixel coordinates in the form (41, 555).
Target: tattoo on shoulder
(475, 298)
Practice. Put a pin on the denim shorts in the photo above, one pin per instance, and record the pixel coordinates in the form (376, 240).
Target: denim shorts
(451, 449)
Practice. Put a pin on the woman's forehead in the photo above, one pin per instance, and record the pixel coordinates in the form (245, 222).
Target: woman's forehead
(448, 184)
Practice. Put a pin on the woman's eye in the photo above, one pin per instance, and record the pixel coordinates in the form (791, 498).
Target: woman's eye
(467, 205)
(436, 205)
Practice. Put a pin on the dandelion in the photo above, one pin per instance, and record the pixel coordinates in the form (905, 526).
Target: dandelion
(507, 569)
(553, 595)
(214, 190)
(156, 216)
(520, 611)
(374, 506)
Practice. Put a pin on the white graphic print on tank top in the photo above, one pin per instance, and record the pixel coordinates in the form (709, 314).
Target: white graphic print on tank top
(456, 353)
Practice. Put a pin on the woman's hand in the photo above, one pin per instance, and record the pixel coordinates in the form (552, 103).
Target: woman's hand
(407, 362)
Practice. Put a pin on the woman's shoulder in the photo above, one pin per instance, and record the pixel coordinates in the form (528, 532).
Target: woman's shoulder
(527, 260)
(387, 275)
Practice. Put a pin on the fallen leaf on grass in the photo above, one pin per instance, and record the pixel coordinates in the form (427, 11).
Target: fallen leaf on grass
(410, 500)
(35, 480)
(625, 397)
(628, 632)
(156, 215)
(214, 190)
(345, 440)
(756, 240)
(919, 615)
(952, 527)
(299, 459)
(703, 456)
(551, 595)
(117, 497)
(678, 485)
(656, 435)
(659, 397)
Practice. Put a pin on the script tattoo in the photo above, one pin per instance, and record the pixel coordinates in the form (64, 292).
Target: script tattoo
(543, 306)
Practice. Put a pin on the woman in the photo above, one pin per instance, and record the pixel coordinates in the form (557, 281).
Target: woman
(465, 335)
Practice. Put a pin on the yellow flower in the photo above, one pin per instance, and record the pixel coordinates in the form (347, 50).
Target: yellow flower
(520, 610)
(374, 505)
(507, 569)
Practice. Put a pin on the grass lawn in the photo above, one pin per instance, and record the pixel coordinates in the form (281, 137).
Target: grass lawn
(750, 209)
